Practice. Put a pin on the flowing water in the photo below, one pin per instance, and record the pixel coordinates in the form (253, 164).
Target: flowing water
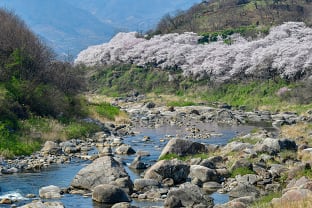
(20, 184)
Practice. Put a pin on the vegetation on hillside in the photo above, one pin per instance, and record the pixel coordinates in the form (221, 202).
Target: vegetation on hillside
(217, 15)
(272, 94)
(40, 97)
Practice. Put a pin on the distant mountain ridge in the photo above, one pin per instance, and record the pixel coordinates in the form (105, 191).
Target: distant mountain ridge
(71, 25)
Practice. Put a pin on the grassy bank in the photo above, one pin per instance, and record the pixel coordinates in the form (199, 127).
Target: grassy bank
(171, 88)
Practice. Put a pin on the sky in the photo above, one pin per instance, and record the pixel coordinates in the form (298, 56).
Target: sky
(70, 26)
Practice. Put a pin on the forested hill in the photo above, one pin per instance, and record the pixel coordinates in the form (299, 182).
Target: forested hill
(218, 15)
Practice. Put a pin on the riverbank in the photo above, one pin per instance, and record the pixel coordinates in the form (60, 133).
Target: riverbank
(195, 151)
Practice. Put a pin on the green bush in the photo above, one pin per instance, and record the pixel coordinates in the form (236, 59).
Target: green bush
(11, 145)
(80, 129)
(241, 171)
(180, 103)
(183, 158)
(263, 201)
(107, 110)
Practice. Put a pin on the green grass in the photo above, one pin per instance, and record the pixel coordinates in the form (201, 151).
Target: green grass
(246, 31)
(307, 172)
(180, 103)
(241, 171)
(249, 140)
(80, 129)
(107, 110)
(252, 94)
(183, 158)
(12, 144)
(263, 202)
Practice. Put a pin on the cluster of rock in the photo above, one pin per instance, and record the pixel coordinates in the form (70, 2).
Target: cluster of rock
(190, 118)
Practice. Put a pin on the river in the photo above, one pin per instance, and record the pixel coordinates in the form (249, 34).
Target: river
(20, 184)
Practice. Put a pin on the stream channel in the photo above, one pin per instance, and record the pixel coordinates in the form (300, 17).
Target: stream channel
(19, 184)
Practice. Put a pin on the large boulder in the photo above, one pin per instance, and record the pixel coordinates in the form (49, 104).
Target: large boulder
(242, 190)
(174, 169)
(50, 192)
(109, 194)
(188, 195)
(104, 170)
(39, 204)
(51, 147)
(273, 146)
(182, 147)
(203, 174)
(145, 184)
(124, 149)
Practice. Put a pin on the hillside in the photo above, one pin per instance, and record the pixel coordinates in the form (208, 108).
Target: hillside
(217, 15)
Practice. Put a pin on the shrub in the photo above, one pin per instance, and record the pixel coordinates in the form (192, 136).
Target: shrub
(107, 110)
(241, 171)
(80, 129)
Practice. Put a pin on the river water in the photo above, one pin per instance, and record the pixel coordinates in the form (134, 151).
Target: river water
(20, 184)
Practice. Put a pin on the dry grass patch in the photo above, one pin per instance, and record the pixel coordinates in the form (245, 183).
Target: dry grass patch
(292, 204)
(300, 132)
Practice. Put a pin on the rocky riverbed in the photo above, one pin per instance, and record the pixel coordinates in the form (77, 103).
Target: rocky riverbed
(187, 168)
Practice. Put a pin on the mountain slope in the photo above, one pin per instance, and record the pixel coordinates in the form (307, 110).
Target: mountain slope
(71, 25)
(139, 15)
(215, 15)
(68, 29)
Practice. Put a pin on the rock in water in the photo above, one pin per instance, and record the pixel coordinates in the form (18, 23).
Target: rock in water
(51, 147)
(183, 147)
(50, 192)
(188, 195)
(109, 194)
(39, 204)
(104, 170)
(175, 169)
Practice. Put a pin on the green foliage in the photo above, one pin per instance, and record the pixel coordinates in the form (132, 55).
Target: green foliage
(249, 140)
(107, 110)
(11, 145)
(80, 129)
(180, 103)
(288, 154)
(125, 79)
(241, 171)
(307, 172)
(245, 31)
(264, 201)
(183, 158)
(251, 94)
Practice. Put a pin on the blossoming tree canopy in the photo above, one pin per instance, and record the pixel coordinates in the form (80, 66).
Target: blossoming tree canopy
(286, 52)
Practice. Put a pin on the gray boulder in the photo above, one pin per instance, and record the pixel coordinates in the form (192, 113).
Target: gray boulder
(182, 147)
(109, 194)
(145, 184)
(188, 195)
(242, 190)
(39, 204)
(202, 173)
(104, 170)
(273, 146)
(137, 164)
(175, 169)
(211, 186)
(51, 147)
(50, 192)
(123, 205)
(124, 149)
